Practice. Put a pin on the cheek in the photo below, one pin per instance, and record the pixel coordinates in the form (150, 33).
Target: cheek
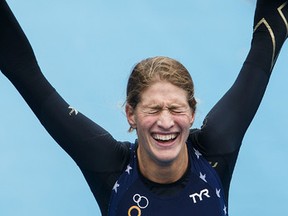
(145, 122)
(185, 121)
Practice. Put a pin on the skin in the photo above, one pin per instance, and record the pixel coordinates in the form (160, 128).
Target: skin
(162, 119)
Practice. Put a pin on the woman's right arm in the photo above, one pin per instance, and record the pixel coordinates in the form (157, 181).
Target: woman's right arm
(100, 157)
(85, 141)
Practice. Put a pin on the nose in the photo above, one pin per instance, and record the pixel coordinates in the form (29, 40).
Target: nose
(165, 120)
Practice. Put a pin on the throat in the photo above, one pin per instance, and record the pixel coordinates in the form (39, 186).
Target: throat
(165, 172)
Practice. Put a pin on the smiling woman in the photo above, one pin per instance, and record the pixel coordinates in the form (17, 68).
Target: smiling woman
(167, 170)
(162, 119)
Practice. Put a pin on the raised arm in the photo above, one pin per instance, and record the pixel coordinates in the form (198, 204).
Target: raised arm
(225, 125)
(96, 152)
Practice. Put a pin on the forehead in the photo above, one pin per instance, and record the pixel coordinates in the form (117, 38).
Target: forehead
(163, 93)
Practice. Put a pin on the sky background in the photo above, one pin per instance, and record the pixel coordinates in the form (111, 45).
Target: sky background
(87, 49)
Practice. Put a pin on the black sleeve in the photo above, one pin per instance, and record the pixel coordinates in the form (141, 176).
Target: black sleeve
(224, 127)
(100, 157)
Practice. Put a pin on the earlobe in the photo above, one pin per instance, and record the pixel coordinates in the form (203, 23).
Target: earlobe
(130, 116)
(192, 119)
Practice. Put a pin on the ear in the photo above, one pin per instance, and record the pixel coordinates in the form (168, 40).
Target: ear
(192, 118)
(130, 115)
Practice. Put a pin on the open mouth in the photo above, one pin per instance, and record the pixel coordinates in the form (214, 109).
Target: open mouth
(165, 138)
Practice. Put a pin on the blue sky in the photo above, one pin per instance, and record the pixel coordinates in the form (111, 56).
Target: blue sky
(87, 48)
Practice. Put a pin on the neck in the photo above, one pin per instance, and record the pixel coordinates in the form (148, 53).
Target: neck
(165, 172)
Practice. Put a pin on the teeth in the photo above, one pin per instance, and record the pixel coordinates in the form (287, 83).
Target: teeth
(164, 137)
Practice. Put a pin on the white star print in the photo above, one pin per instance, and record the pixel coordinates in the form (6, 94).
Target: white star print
(73, 110)
(115, 187)
(218, 192)
(225, 210)
(197, 153)
(128, 169)
(203, 177)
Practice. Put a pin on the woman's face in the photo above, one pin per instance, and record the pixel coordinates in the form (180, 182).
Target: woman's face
(162, 119)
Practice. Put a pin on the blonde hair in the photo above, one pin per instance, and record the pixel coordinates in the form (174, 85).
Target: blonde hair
(150, 70)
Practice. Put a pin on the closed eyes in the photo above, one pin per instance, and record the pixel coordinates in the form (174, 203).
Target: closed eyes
(177, 110)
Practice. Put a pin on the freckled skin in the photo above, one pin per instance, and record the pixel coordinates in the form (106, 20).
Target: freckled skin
(163, 110)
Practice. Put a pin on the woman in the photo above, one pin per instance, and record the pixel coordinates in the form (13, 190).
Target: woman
(168, 170)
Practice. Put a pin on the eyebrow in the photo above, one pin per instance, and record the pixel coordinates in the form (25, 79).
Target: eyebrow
(170, 106)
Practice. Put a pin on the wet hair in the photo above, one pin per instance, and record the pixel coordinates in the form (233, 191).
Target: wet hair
(159, 68)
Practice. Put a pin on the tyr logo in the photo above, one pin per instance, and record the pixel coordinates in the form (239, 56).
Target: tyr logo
(204, 192)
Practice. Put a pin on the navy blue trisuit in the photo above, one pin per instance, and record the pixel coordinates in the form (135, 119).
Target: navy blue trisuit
(110, 167)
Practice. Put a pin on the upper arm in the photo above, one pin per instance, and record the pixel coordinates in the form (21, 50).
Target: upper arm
(91, 146)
